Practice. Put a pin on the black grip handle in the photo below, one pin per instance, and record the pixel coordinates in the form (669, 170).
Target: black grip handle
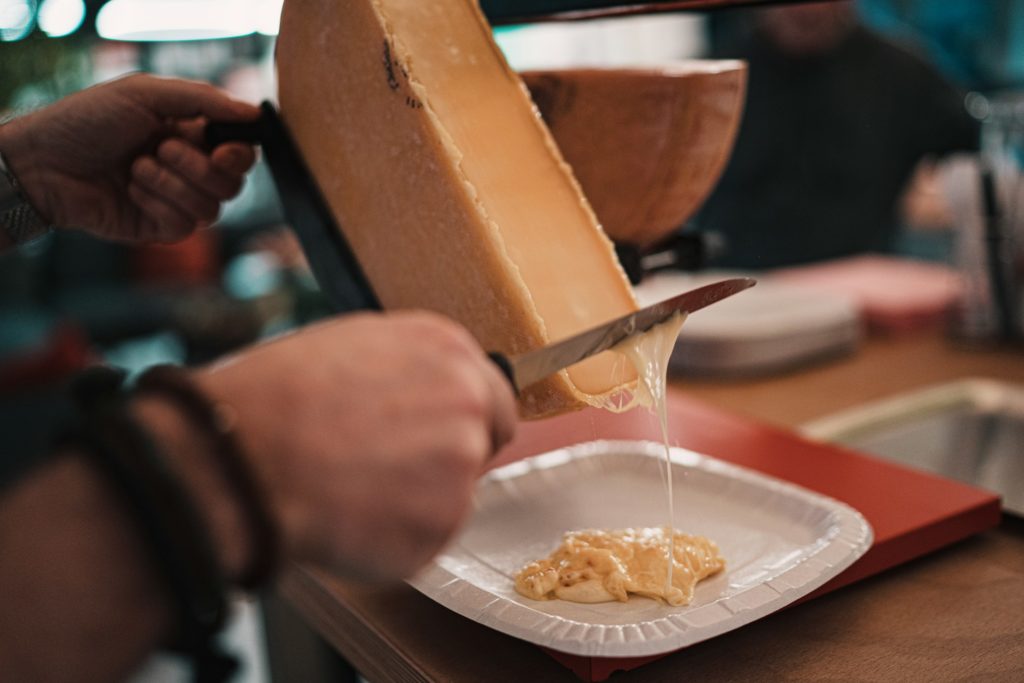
(505, 365)
(219, 132)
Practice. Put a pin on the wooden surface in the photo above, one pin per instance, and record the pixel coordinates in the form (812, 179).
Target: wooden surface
(957, 614)
(885, 366)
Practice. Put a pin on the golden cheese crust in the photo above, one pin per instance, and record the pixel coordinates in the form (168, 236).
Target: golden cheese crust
(446, 183)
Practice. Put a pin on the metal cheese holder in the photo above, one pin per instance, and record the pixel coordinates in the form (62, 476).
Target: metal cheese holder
(330, 257)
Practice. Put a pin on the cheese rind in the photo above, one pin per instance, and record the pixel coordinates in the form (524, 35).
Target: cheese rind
(446, 183)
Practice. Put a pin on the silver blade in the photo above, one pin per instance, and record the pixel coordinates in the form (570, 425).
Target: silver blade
(534, 366)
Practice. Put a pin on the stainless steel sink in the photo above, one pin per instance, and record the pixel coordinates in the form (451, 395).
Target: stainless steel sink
(972, 430)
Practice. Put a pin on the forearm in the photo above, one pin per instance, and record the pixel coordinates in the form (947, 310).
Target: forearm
(81, 601)
(82, 598)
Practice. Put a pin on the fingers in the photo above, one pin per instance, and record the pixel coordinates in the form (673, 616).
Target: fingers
(234, 158)
(498, 405)
(159, 220)
(177, 98)
(162, 182)
(501, 398)
(241, 156)
(218, 175)
(181, 188)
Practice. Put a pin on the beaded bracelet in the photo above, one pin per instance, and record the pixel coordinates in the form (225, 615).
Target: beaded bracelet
(18, 218)
(174, 383)
(170, 525)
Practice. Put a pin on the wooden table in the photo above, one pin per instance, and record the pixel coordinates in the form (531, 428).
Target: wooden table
(954, 615)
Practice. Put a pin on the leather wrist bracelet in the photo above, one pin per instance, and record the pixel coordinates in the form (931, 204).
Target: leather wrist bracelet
(18, 218)
(216, 423)
(163, 511)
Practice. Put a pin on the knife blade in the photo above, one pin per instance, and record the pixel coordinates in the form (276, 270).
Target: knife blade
(527, 368)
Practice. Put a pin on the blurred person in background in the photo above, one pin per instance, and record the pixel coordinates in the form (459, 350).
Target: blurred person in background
(836, 122)
(352, 449)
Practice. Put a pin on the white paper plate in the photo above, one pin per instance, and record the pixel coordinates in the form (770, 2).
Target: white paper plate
(780, 542)
(774, 326)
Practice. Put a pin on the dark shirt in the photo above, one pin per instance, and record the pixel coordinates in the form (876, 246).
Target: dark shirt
(826, 147)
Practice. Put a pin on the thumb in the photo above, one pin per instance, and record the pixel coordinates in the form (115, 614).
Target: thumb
(178, 98)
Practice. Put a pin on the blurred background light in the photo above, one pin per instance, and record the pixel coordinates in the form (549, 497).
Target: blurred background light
(268, 16)
(16, 18)
(175, 20)
(61, 17)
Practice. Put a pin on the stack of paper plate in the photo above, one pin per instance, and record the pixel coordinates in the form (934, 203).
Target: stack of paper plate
(772, 327)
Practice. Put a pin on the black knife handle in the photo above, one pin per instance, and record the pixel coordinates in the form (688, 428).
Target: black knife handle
(505, 365)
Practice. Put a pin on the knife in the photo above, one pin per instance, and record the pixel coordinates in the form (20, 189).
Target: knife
(527, 368)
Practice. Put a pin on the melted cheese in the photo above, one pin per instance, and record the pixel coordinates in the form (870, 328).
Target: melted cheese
(602, 566)
(445, 181)
(649, 354)
(646, 356)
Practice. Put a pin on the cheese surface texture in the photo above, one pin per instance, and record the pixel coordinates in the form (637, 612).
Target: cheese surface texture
(446, 183)
(604, 566)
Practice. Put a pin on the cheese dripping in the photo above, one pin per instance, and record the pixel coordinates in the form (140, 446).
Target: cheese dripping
(601, 566)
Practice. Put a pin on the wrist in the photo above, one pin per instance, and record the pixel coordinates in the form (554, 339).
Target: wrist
(251, 410)
(191, 457)
(23, 207)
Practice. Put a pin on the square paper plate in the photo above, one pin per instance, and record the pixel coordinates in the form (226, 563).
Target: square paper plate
(780, 542)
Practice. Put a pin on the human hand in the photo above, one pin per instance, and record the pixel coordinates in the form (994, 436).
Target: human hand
(125, 160)
(368, 433)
